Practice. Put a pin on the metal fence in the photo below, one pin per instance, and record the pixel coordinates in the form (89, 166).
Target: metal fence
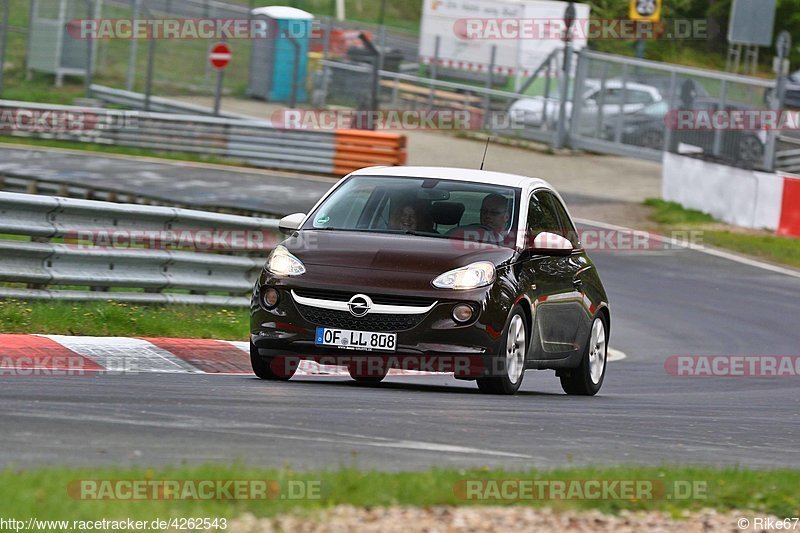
(641, 108)
(255, 143)
(350, 84)
(95, 249)
(615, 104)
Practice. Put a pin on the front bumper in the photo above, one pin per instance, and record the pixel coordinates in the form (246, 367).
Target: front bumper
(431, 341)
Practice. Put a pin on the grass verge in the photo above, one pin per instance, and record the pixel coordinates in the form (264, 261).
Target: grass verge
(111, 319)
(764, 245)
(48, 493)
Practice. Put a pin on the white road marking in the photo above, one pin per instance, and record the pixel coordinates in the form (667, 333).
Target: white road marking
(702, 249)
(333, 438)
(616, 355)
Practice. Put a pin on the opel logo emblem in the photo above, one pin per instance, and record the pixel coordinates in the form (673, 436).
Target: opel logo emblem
(359, 305)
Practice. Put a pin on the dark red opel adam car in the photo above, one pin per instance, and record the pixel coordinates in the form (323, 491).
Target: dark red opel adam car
(448, 270)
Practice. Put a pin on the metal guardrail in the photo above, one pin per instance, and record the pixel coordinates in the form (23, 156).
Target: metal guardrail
(787, 157)
(84, 261)
(256, 143)
(27, 184)
(158, 104)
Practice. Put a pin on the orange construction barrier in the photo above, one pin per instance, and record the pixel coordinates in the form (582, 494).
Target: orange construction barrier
(362, 148)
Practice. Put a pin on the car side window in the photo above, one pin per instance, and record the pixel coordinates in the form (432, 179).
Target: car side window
(541, 216)
(639, 97)
(565, 226)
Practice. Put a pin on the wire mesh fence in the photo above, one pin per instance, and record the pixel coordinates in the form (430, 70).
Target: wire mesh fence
(637, 105)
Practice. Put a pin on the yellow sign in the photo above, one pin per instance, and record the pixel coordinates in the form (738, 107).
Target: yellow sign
(649, 10)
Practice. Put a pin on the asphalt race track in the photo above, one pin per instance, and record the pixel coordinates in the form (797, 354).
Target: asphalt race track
(664, 303)
(174, 183)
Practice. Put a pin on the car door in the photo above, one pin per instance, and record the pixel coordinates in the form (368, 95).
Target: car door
(557, 302)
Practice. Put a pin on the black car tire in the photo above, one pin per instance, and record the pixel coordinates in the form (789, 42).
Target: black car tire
(750, 149)
(579, 381)
(653, 139)
(271, 368)
(359, 373)
(367, 378)
(498, 380)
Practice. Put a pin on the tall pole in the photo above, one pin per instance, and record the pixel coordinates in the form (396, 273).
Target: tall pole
(151, 58)
(561, 133)
(382, 34)
(134, 46)
(218, 93)
(3, 42)
(295, 69)
(784, 46)
(89, 55)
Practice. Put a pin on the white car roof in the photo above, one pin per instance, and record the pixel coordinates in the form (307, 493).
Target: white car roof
(617, 84)
(456, 174)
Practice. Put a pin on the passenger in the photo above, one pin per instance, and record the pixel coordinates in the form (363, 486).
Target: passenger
(404, 218)
(410, 216)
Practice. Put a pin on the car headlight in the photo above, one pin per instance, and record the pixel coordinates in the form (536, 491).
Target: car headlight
(468, 277)
(283, 263)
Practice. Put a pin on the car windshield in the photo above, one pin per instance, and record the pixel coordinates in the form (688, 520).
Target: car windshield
(421, 206)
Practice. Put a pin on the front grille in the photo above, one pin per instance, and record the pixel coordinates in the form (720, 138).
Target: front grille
(380, 299)
(344, 320)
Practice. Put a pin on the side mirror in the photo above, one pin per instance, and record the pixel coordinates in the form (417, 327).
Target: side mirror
(290, 224)
(551, 244)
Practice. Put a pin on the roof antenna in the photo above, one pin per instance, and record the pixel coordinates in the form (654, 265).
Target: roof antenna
(485, 151)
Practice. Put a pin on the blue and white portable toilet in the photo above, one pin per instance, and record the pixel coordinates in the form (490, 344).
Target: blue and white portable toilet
(272, 59)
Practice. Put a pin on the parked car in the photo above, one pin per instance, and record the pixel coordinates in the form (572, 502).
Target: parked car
(647, 128)
(480, 270)
(792, 94)
(537, 111)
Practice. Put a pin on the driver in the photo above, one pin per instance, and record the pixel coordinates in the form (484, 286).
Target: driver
(495, 216)
(492, 229)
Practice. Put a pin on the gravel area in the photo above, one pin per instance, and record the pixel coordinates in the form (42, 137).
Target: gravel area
(479, 519)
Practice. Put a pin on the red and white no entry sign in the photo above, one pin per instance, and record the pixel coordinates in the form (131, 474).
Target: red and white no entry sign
(220, 56)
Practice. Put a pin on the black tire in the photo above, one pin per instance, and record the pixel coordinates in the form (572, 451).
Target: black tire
(750, 149)
(580, 381)
(271, 368)
(363, 372)
(653, 139)
(499, 380)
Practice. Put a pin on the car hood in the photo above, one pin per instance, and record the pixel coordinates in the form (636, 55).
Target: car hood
(380, 251)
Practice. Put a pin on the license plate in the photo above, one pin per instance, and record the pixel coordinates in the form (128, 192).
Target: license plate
(356, 340)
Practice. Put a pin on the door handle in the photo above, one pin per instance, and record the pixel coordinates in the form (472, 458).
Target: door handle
(577, 283)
